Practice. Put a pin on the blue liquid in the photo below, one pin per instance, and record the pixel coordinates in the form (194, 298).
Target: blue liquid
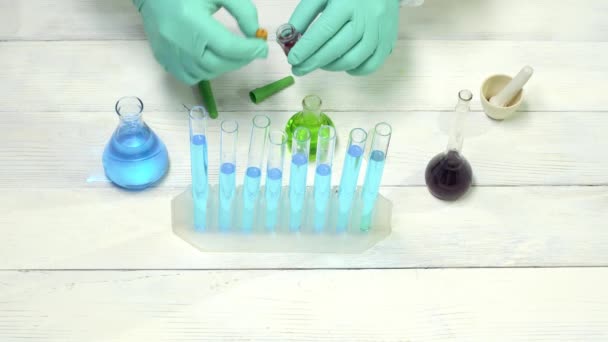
(227, 191)
(200, 181)
(274, 179)
(321, 193)
(297, 189)
(348, 184)
(135, 158)
(251, 191)
(371, 186)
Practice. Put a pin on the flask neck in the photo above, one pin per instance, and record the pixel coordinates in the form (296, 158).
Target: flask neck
(312, 105)
(461, 111)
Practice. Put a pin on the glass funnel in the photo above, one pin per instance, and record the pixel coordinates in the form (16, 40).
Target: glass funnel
(449, 175)
(310, 117)
(135, 157)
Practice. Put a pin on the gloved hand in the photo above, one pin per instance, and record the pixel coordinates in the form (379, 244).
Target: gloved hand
(190, 44)
(350, 35)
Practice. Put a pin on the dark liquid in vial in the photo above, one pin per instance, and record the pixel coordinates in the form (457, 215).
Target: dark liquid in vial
(449, 176)
(288, 45)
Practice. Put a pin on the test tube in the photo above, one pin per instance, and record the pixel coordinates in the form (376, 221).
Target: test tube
(375, 168)
(228, 140)
(326, 144)
(274, 176)
(300, 151)
(287, 37)
(253, 174)
(350, 175)
(198, 164)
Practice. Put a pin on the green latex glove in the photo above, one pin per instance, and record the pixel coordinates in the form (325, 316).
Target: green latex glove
(350, 35)
(192, 45)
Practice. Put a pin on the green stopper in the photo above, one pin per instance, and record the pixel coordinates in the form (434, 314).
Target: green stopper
(260, 94)
(207, 94)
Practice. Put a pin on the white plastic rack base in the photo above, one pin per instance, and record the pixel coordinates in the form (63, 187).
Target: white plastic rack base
(282, 239)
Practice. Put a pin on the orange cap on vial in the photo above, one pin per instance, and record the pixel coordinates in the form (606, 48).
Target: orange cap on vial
(262, 34)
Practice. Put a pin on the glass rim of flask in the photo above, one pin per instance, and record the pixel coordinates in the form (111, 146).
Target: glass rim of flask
(465, 95)
(313, 102)
(286, 28)
(129, 101)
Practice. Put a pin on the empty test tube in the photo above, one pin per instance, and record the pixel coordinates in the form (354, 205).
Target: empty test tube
(326, 144)
(375, 168)
(350, 175)
(287, 37)
(277, 141)
(253, 174)
(300, 151)
(198, 164)
(227, 188)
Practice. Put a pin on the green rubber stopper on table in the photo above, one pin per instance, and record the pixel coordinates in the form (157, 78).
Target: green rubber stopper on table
(260, 94)
(207, 94)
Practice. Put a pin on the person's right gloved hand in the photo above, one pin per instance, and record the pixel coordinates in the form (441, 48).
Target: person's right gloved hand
(192, 45)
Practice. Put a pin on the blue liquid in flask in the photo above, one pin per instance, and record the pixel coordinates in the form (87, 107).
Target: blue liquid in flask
(297, 189)
(274, 179)
(348, 184)
(371, 187)
(135, 157)
(227, 192)
(321, 195)
(251, 191)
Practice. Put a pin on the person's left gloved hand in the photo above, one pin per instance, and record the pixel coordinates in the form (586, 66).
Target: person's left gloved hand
(350, 35)
(192, 45)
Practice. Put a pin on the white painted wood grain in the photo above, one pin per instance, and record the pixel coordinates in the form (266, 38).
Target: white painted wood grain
(437, 19)
(421, 75)
(532, 149)
(389, 305)
(493, 227)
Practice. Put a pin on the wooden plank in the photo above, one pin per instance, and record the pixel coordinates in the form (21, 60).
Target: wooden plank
(534, 149)
(492, 227)
(436, 19)
(422, 75)
(387, 305)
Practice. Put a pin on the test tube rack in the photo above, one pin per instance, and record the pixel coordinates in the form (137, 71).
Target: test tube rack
(281, 239)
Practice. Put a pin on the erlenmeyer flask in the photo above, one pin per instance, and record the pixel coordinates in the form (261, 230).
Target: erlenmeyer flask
(311, 118)
(135, 157)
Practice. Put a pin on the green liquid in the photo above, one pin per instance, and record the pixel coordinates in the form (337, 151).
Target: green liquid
(311, 121)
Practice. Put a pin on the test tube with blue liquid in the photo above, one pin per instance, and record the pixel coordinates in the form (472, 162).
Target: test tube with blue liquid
(277, 141)
(253, 174)
(350, 175)
(375, 168)
(198, 164)
(300, 150)
(326, 144)
(227, 188)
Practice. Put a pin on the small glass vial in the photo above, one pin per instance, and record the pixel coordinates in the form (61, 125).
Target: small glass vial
(135, 157)
(310, 117)
(287, 37)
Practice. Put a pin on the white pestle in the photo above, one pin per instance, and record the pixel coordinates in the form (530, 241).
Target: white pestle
(508, 93)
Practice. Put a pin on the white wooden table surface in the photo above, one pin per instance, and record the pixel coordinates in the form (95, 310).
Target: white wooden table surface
(522, 258)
